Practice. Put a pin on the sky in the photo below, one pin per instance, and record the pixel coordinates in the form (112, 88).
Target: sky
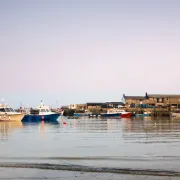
(78, 51)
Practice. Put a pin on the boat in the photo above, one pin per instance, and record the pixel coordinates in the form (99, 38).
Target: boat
(176, 115)
(86, 113)
(125, 114)
(145, 114)
(9, 114)
(111, 113)
(41, 113)
(94, 115)
(58, 110)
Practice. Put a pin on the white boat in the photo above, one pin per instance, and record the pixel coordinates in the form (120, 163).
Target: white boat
(124, 114)
(9, 114)
(177, 115)
(111, 113)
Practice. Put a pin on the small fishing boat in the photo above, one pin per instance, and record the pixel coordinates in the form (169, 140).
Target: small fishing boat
(176, 115)
(41, 113)
(86, 113)
(125, 114)
(9, 114)
(145, 114)
(111, 113)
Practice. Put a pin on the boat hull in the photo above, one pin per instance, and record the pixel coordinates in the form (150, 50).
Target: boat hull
(11, 117)
(126, 115)
(111, 115)
(49, 117)
(177, 115)
(142, 115)
(80, 114)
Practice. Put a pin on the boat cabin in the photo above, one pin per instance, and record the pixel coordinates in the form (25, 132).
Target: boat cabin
(40, 110)
(6, 109)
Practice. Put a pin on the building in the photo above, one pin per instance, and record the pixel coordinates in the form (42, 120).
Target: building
(115, 104)
(164, 100)
(95, 105)
(77, 106)
(134, 101)
(104, 105)
(152, 100)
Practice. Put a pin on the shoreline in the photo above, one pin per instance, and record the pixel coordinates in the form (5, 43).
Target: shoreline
(90, 169)
(33, 174)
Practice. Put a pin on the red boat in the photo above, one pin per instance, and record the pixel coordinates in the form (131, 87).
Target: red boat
(125, 114)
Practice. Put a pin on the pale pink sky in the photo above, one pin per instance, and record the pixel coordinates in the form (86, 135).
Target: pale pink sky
(78, 51)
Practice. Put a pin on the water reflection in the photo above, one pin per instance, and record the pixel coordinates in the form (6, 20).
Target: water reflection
(151, 130)
(7, 128)
(169, 128)
(145, 130)
(126, 125)
(4, 131)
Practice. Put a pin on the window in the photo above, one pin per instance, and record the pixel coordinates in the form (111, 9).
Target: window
(47, 110)
(12, 110)
(7, 110)
(42, 110)
(2, 110)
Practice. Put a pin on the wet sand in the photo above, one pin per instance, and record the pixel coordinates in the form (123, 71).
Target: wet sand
(33, 174)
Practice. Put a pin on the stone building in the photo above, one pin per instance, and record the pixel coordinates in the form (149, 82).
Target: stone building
(77, 106)
(164, 100)
(153, 100)
(134, 101)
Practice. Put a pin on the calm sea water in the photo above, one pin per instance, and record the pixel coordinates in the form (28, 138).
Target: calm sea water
(123, 143)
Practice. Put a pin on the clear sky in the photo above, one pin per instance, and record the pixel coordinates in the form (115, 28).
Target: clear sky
(77, 51)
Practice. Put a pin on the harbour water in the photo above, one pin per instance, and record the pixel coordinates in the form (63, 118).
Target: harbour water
(141, 146)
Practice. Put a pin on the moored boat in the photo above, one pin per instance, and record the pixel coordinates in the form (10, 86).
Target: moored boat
(125, 114)
(41, 113)
(176, 115)
(9, 114)
(86, 113)
(111, 113)
(145, 114)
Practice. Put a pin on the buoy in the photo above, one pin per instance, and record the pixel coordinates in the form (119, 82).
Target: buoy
(64, 122)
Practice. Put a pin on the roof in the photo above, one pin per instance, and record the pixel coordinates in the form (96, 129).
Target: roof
(163, 95)
(117, 103)
(95, 104)
(104, 103)
(135, 97)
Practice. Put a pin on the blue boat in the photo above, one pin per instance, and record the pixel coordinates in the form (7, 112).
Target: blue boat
(41, 113)
(111, 113)
(80, 114)
(49, 117)
(86, 113)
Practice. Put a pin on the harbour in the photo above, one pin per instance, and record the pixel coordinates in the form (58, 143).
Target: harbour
(89, 90)
(144, 144)
(154, 105)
